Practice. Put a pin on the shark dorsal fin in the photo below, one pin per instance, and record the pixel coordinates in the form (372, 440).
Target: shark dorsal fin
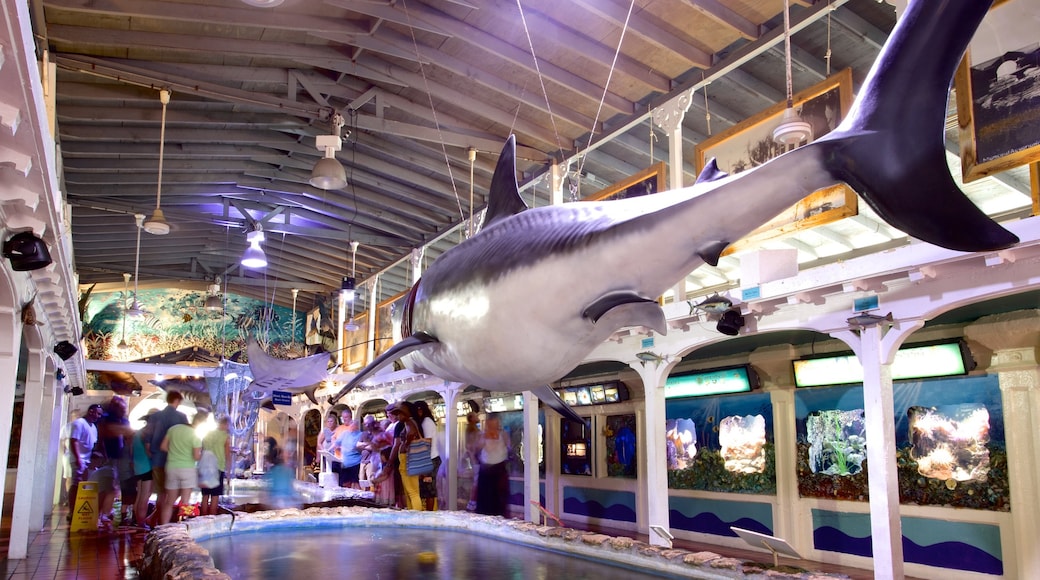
(504, 197)
(711, 172)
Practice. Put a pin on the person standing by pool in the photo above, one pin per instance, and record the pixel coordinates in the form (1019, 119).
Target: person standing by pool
(142, 472)
(183, 448)
(350, 453)
(162, 421)
(428, 483)
(82, 438)
(217, 442)
(493, 483)
(326, 450)
(405, 432)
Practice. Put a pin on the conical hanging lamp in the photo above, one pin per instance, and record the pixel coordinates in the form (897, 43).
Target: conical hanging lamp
(135, 307)
(126, 287)
(157, 224)
(792, 129)
(352, 325)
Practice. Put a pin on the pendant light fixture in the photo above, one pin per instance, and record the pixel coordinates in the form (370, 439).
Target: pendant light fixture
(328, 172)
(156, 225)
(213, 300)
(351, 325)
(126, 291)
(254, 256)
(135, 307)
(792, 130)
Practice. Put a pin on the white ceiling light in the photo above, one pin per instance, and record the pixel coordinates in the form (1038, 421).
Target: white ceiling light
(792, 130)
(156, 224)
(328, 172)
(264, 3)
(351, 325)
(254, 256)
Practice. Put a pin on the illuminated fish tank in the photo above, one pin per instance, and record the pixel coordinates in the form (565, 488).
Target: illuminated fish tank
(743, 441)
(949, 443)
(837, 442)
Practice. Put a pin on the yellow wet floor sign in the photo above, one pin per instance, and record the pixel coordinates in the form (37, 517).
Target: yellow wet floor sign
(85, 512)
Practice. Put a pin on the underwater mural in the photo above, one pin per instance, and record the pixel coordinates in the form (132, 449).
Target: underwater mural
(950, 446)
(176, 319)
(721, 443)
(513, 424)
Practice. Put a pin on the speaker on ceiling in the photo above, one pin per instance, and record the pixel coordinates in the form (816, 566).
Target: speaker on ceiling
(65, 349)
(26, 251)
(730, 322)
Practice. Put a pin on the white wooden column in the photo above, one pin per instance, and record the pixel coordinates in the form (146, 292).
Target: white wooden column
(373, 297)
(556, 175)
(669, 117)
(28, 455)
(451, 442)
(654, 463)
(530, 457)
(10, 343)
(876, 349)
(1013, 338)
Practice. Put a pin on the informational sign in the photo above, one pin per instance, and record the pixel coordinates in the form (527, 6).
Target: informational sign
(281, 397)
(85, 512)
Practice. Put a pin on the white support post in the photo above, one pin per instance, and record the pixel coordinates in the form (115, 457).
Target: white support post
(530, 457)
(655, 464)
(669, 117)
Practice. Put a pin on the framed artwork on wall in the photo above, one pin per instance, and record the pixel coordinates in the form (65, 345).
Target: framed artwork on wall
(750, 144)
(651, 180)
(998, 92)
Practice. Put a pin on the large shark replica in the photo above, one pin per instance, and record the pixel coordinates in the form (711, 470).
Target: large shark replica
(523, 302)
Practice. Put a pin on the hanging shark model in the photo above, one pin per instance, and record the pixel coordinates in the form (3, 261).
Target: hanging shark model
(527, 299)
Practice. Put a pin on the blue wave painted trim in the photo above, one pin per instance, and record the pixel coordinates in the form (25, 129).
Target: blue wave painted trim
(952, 555)
(594, 509)
(709, 523)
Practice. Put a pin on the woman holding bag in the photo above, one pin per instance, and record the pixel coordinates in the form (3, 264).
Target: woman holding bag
(405, 433)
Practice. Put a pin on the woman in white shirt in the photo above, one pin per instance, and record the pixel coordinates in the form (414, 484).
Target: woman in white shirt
(493, 483)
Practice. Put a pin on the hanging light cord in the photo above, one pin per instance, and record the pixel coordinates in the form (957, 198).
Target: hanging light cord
(164, 98)
(139, 220)
(827, 55)
(787, 52)
(538, 70)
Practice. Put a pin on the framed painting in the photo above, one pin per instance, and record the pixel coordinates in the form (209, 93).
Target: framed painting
(750, 144)
(385, 312)
(355, 343)
(998, 91)
(650, 180)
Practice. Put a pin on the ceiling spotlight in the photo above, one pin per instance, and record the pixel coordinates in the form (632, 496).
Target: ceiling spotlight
(328, 172)
(254, 255)
(792, 129)
(731, 322)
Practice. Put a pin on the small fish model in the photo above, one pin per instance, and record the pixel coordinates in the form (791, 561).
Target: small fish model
(523, 302)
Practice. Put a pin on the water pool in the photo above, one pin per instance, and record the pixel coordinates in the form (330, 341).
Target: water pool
(392, 553)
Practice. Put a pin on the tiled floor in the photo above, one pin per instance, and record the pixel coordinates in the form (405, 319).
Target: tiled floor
(57, 554)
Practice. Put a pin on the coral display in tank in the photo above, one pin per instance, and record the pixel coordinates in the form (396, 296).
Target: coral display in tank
(837, 442)
(743, 441)
(721, 444)
(950, 443)
(680, 442)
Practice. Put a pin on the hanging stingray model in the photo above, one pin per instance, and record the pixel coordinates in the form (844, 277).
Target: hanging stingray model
(301, 375)
(527, 299)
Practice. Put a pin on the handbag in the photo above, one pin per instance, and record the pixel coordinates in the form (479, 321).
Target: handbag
(419, 461)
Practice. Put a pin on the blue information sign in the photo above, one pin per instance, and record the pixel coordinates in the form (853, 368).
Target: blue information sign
(281, 397)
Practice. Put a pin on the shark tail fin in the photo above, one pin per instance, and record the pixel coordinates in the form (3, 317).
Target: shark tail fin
(890, 147)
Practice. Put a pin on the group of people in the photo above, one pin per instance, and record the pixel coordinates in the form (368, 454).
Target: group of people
(163, 455)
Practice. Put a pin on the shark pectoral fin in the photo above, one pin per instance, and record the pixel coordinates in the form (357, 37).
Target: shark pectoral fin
(548, 396)
(413, 342)
(711, 251)
(711, 172)
(612, 300)
(648, 314)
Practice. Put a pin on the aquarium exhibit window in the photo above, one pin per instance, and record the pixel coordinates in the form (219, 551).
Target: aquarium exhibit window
(943, 359)
(462, 408)
(594, 394)
(723, 381)
(502, 404)
(949, 443)
(837, 442)
(576, 447)
(743, 443)
(513, 425)
(621, 445)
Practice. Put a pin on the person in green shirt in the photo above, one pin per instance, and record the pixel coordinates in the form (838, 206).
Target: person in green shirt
(219, 443)
(183, 448)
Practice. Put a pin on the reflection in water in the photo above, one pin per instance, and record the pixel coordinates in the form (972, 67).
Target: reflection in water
(743, 441)
(392, 553)
(949, 444)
